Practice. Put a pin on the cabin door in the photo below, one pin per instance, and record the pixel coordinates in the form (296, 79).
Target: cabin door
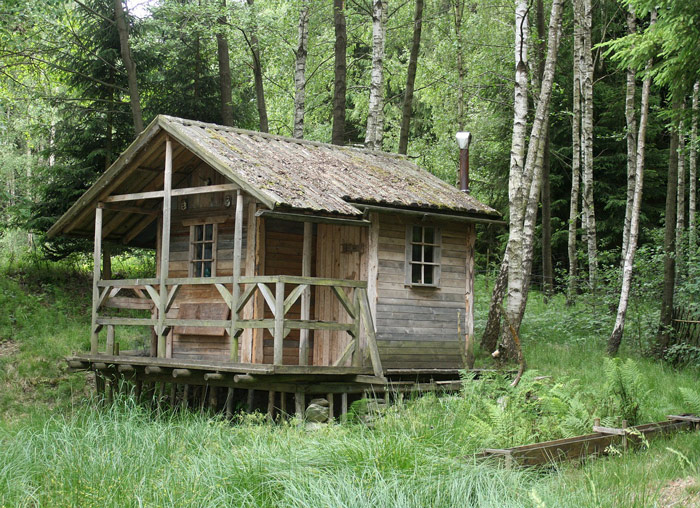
(340, 254)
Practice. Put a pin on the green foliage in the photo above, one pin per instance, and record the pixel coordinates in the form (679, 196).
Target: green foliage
(625, 389)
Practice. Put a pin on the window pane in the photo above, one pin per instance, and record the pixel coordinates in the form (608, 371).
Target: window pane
(416, 251)
(428, 274)
(198, 233)
(197, 269)
(209, 231)
(416, 274)
(428, 254)
(198, 251)
(417, 233)
(207, 250)
(429, 235)
(207, 269)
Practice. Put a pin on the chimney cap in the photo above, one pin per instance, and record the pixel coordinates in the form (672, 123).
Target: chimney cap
(463, 139)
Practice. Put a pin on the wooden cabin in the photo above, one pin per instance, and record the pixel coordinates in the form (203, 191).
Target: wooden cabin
(277, 257)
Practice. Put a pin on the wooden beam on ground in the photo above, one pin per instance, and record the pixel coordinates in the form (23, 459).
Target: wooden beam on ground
(96, 274)
(165, 247)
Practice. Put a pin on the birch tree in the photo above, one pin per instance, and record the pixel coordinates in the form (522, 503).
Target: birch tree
(134, 97)
(300, 70)
(632, 147)
(340, 82)
(693, 173)
(633, 234)
(375, 117)
(411, 78)
(680, 198)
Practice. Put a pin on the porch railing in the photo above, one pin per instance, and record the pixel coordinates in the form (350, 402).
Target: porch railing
(271, 289)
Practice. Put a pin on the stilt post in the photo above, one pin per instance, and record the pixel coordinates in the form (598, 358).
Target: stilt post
(165, 247)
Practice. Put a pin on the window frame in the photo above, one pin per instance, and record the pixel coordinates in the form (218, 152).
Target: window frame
(437, 255)
(214, 247)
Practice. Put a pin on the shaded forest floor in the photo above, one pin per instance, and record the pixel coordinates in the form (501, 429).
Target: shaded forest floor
(58, 449)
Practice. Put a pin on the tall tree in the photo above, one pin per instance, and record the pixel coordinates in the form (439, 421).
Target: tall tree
(375, 117)
(629, 252)
(134, 97)
(663, 337)
(224, 70)
(300, 54)
(680, 198)
(254, 45)
(340, 84)
(586, 75)
(411, 78)
(458, 13)
(632, 147)
(693, 172)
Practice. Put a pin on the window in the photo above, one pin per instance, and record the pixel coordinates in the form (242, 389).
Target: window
(203, 250)
(422, 256)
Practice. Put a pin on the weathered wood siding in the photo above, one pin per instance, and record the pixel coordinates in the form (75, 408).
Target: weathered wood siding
(418, 327)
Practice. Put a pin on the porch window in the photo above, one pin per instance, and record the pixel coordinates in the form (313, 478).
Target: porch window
(203, 250)
(422, 256)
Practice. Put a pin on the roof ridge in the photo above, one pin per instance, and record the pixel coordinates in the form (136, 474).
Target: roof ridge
(287, 139)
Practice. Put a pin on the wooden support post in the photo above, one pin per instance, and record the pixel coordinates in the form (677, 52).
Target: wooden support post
(329, 397)
(173, 394)
(109, 388)
(251, 399)
(283, 404)
(278, 352)
(624, 435)
(229, 403)
(138, 386)
(213, 398)
(469, 298)
(99, 386)
(306, 295)
(185, 397)
(165, 247)
(343, 406)
(299, 404)
(236, 275)
(97, 254)
(271, 406)
(110, 340)
(372, 276)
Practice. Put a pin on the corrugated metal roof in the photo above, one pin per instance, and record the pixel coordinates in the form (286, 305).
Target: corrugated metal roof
(315, 176)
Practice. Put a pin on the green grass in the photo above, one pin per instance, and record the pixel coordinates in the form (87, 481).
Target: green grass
(58, 448)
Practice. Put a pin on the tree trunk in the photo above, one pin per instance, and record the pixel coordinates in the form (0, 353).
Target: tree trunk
(224, 72)
(341, 39)
(458, 15)
(375, 124)
(300, 70)
(693, 177)
(587, 142)
(663, 337)
(258, 75)
(575, 160)
(521, 238)
(130, 66)
(628, 254)
(632, 147)
(411, 78)
(680, 200)
(489, 340)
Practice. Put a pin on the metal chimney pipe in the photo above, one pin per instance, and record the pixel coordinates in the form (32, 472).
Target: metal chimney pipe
(463, 140)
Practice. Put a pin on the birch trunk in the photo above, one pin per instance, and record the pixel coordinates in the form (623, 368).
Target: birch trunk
(375, 123)
(693, 177)
(458, 16)
(522, 233)
(587, 142)
(615, 338)
(411, 78)
(680, 200)
(663, 336)
(224, 71)
(134, 98)
(300, 70)
(632, 146)
(338, 135)
(575, 160)
(517, 163)
(257, 73)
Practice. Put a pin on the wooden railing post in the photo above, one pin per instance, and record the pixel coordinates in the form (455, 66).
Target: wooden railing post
(236, 274)
(161, 329)
(97, 255)
(278, 354)
(306, 295)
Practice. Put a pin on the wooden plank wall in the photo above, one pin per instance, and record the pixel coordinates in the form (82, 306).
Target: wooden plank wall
(284, 242)
(341, 253)
(201, 206)
(417, 327)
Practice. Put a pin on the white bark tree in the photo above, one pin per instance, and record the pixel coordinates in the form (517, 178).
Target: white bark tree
(575, 159)
(616, 336)
(693, 170)
(631, 119)
(375, 117)
(680, 199)
(300, 70)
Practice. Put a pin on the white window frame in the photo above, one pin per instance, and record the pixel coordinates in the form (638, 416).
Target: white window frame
(437, 255)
